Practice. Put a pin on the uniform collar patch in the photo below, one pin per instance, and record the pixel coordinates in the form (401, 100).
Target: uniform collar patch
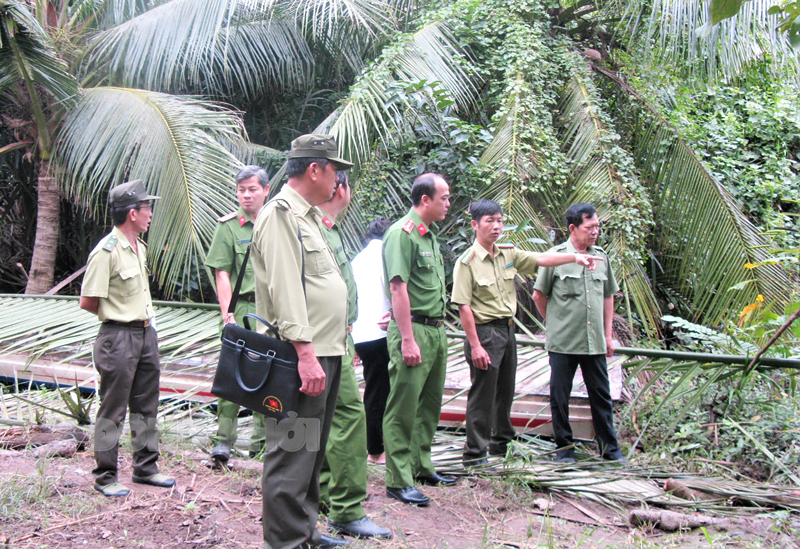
(328, 223)
(423, 230)
(242, 220)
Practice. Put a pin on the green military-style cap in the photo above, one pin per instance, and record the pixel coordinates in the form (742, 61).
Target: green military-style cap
(314, 145)
(129, 193)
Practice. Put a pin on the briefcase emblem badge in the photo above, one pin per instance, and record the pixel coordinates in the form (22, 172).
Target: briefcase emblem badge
(253, 356)
(273, 404)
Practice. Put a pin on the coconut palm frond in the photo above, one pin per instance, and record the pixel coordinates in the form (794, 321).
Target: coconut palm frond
(683, 34)
(435, 57)
(34, 326)
(164, 47)
(173, 145)
(257, 57)
(322, 18)
(368, 114)
(603, 175)
(694, 212)
(510, 157)
(27, 54)
(252, 154)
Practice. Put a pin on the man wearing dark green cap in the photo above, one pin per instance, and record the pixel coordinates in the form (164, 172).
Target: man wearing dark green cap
(226, 256)
(300, 290)
(414, 275)
(116, 289)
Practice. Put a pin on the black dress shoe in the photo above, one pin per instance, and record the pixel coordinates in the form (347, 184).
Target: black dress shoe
(361, 528)
(327, 541)
(409, 495)
(436, 480)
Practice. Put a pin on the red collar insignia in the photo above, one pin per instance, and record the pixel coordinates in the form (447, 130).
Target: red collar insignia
(422, 230)
(328, 222)
(242, 220)
(409, 226)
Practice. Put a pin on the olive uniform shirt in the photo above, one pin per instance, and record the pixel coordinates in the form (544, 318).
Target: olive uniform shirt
(575, 297)
(486, 283)
(334, 237)
(318, 313)
(232, 236)
(411, 252)
(118, 276)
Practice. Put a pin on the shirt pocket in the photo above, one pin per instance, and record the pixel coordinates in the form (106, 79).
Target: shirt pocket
(426, 271)
(486, 288)
(570, 284)
(318, 259)
(131, 281)
(598, 282)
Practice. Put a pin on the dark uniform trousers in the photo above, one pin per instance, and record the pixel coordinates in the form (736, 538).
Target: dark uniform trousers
(595, 375)
(492, 392)
(375, 360)
(128, 363)
(290, 484)
(414, 405)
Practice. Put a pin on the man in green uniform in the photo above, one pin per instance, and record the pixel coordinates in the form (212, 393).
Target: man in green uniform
(300, 290)
(116, 289)
(483, 289)
(226, 254)
(414, 274)
(343, 481)
(578, 308)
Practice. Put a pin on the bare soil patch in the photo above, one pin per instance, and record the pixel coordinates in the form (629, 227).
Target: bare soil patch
(51, 503)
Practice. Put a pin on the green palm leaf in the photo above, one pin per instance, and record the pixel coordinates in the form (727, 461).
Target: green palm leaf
(171, 143)
(683, 35)
(27, 53)
(703, 239)
(366, 114)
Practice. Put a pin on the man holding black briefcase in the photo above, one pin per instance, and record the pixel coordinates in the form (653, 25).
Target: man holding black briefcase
(300, 290)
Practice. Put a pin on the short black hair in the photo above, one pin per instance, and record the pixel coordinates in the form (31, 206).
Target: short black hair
(483, 207)
(377, 229)
(578, 213)
(120, 214)
(298, 166)
(341, 178)
(424, 185)
(253, 171)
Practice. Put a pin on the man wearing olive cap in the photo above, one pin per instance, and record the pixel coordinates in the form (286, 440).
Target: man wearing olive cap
(301, 291)
(116, 289)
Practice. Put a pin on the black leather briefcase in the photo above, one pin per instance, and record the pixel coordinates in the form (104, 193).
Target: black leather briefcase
(257, 371)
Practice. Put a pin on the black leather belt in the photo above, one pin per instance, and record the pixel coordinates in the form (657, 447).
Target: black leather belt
(500, 322)
(426, 320)
(134, 324)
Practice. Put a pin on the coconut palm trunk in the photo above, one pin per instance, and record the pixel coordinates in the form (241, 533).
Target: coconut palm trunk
(42, 271)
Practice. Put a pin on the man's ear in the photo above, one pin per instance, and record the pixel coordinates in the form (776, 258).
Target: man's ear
(474, 224)
(571, 228)
(266, 190)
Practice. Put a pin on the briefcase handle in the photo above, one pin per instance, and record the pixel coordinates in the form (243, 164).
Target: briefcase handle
(272, 328)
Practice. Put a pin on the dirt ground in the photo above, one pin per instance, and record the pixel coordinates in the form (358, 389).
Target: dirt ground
(50, 503)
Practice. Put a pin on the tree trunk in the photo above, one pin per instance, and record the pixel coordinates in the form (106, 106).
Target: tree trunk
(47, 226)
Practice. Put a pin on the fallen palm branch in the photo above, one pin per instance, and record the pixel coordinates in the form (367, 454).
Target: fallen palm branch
(613, 485)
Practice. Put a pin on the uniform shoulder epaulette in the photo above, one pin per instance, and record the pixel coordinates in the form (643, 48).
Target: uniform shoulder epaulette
(409, 226)
(596, 247)
(110, 243)
(467, 257)
(227, 217)
(282, 204)
(506, 245)
(142, 242)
